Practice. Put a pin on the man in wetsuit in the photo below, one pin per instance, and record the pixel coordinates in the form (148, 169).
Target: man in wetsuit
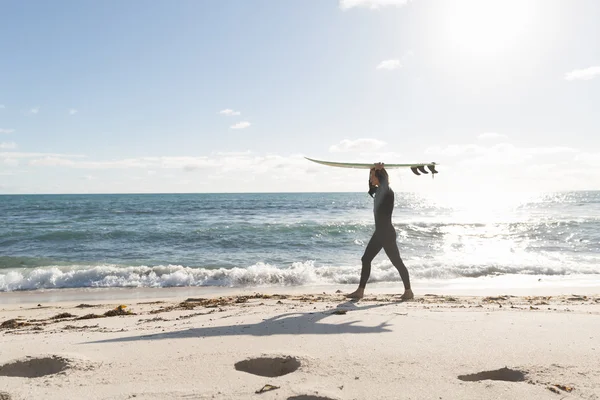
(384, 235)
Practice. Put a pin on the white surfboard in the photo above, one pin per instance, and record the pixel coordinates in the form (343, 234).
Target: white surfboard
(417, 168)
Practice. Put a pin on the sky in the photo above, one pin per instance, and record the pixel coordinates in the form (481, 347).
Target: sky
(230, 96)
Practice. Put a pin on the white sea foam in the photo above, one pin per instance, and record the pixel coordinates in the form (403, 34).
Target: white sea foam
(300, 273)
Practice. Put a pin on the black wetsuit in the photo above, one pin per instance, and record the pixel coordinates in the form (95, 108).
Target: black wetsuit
(383, 237)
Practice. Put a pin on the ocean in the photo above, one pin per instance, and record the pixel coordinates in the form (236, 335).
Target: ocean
(283, 239)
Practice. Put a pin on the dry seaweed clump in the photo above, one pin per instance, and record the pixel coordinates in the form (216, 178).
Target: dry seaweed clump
(63, 316)
(89, 316)
(193, 302)
(13, 324)
(119, 310)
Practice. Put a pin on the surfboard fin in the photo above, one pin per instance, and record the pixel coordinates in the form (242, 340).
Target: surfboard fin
(431, 167)
(422, 169)
(415, 171)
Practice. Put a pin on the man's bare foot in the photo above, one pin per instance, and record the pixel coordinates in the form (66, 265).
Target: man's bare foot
(358, 294)
(408, 294)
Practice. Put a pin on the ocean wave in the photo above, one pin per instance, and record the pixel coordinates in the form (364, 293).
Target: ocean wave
(260, 274)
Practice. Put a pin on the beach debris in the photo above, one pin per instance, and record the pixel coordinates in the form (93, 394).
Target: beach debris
(267, 388)
(553, 389)
(577, 297)
(84, 306)
(192, 302)
(340, 312)
(5, 396)
(155, 319)
(493, 299)
(194, 315)
(564, 388)
(74, 327)
(338, 291)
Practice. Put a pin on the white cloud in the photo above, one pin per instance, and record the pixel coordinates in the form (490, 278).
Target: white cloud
(583, 74)
(220, 162)
(389, 65)
(8, 145)
(11, 162)
(13, 154)
(372, 4)
(241, 125)
(34, 110)
(72, 111)
(193, 163)
(551, 150)
(229, 112)
(491, 135)
(454, 150)
(7, 130)
(590, 159)
(363, 145)
(52, 162)
(2, 106)
(183, 162)
(488, 167)
(233, 153)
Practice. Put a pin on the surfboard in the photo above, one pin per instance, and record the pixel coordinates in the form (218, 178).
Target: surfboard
(416, 168)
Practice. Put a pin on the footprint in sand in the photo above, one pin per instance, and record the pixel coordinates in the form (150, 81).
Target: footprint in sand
(34, 368)
(502, 374)
(269, 366)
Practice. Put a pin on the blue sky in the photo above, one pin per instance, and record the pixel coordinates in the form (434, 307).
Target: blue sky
(228, 96)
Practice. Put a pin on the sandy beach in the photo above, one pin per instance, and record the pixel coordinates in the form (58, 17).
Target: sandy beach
(303, 343)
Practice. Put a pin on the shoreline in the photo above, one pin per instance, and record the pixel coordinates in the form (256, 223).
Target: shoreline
(516, 285)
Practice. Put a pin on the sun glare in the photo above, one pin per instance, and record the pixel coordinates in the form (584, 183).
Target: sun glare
(484, 206)
(485, 27)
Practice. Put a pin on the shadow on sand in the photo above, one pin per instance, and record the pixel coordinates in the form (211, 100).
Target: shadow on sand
(284, 324)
